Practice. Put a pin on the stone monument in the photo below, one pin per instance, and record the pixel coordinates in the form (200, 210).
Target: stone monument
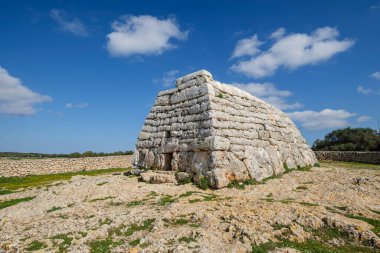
(219, 132)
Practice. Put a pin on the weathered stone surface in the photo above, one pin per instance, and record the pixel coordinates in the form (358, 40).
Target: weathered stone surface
(209, 129)
(183, 177)
(158, 178)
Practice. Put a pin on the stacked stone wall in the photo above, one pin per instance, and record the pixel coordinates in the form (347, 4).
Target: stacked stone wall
(261, 138)
(348, 156)
(24, 167)
(177, 126)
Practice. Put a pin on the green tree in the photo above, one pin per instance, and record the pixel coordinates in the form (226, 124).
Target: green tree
(349, 139)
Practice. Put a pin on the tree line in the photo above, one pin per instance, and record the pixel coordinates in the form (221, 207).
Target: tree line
(349, 139)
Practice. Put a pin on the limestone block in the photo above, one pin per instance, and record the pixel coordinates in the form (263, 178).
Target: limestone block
(200, 165)
(158, 178)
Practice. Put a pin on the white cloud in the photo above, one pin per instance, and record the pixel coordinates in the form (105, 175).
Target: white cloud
(74, 26)
(376, 75)
(79, 105)
(362, 119)
(248, 47)
(143, 35)
(17, 99)
(168, 79)
(365, 91)
(279, 33)
(324, 119)
(269, 93)
(293, 51)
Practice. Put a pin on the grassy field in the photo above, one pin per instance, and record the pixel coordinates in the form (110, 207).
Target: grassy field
(350, 165)
(10, 184)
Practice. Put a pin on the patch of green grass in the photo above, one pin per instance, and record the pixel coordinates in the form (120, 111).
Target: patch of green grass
(5, 191)
(166, 200)
(112, 203)
(186, 239)
(144, 245)
(54, 208)
(35, 245)
(373, 222)
(286, 201)
(101, 246)
(316, 165)
(146, 225)
(317, 243)
(241, 185)
(63, 241)
(135, 203)
(309, 182)
(188, 194)
(343, 208)
(83, 233)
(375, 211)
(116, 230)
(105, 198)
(180, 222)
(351, 165)
(298, 168)
(206, 197)
(195, 225)
(278, 226)
(170, 242)
(14, 183)
(12, 202)
(185, 180)
(301, 187)
(203, 183)
(106, 221)
(64, 216)
(101, 183)
(220, 95)
(153, 194)
(135, 242)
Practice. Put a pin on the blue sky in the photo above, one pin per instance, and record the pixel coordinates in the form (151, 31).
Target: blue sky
(82, 75)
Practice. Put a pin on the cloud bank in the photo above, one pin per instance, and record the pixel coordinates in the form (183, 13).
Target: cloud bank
(324, 119)
(143, 35)
(15, 98)
(289, 51)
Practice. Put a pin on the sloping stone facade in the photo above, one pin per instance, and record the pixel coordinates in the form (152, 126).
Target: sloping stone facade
(214, 130)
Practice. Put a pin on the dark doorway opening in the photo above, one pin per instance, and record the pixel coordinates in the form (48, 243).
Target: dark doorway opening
(168, 161)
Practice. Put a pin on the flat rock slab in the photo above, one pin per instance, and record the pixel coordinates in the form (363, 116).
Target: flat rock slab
(160, 177)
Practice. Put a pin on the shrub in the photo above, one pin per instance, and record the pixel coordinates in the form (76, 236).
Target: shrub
(203, 183)
(349, 139)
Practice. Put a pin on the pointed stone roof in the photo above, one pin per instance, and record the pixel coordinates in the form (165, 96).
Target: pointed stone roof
(217, 131)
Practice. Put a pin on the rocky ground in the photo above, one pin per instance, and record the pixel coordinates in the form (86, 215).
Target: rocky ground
(328, 209)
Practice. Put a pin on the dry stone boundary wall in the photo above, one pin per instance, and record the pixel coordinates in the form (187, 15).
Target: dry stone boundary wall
(349, 156)
(24, 167)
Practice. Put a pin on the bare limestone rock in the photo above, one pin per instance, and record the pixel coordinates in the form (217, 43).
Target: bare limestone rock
(158, 177)
(217, 131)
